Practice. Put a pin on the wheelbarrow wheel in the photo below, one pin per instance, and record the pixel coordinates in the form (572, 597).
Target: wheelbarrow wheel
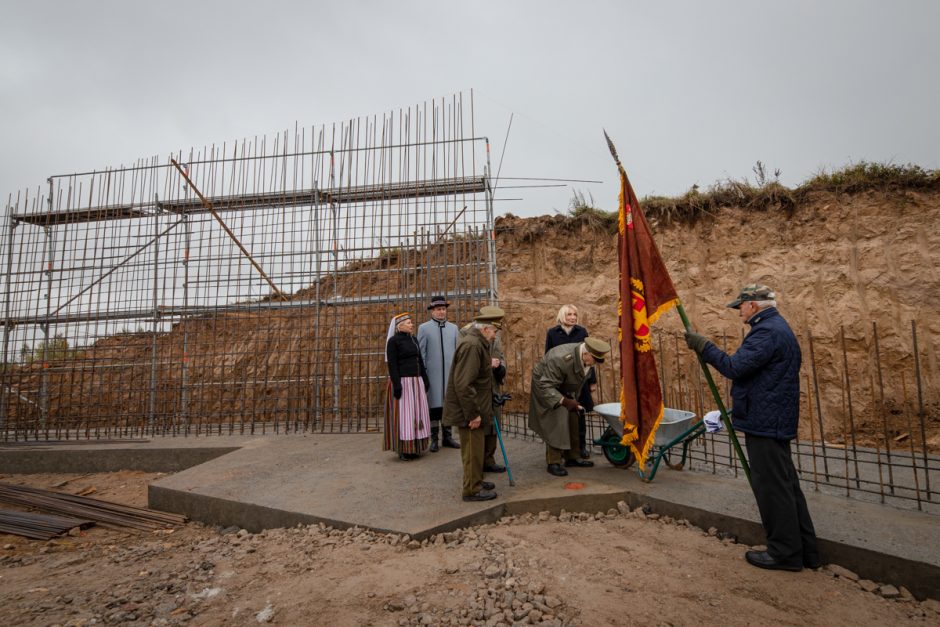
(617, 454)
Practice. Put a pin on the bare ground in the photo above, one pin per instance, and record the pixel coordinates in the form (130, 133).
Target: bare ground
(574, 569)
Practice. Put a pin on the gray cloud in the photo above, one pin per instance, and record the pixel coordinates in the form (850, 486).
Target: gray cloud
(691, 91)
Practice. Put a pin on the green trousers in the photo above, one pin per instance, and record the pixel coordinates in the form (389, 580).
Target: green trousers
(471, 454)
(558, 455)
(489, 449)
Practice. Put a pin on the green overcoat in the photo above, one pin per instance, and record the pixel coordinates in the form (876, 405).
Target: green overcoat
(470, 383)
(559, 373)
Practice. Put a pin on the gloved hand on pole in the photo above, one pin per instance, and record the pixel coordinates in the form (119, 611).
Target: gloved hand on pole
(696, 341)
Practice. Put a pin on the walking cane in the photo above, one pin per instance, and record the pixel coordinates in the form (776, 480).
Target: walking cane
(499, 436)
(499, 399)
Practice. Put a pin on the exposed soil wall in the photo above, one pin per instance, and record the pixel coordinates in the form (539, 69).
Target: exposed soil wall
(837, 262)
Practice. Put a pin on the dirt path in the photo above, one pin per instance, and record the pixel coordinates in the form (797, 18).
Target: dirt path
(575, 569)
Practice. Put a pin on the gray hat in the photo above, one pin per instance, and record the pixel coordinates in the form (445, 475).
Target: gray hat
(754, 291)
(490, 315)
(599, 349)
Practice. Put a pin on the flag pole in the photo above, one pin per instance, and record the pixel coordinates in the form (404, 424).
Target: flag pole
(708, 375)
(718, 401)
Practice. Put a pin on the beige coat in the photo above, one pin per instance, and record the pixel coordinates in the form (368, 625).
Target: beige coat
(559, 373)
(470, 384)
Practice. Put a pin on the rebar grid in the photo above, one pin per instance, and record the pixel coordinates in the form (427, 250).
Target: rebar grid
(876, 447)
(240, 288)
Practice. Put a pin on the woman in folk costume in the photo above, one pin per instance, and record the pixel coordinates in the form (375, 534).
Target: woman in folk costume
(407, 420)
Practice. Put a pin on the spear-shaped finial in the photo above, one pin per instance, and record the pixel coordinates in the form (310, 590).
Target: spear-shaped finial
(613, 150)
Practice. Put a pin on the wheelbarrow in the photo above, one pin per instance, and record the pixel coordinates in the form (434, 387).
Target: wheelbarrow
(676, 428)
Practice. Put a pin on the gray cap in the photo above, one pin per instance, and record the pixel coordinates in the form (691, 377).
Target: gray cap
(490, 315)
(754, 291)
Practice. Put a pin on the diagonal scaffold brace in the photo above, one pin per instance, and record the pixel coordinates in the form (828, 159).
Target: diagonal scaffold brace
(211, 209)
(708, 375)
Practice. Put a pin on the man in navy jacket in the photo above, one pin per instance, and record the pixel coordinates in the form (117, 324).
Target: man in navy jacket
(765, 394)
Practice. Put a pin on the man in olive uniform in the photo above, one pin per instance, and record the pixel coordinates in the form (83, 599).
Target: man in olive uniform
(468, 402)
(498, 362)
(553, 411)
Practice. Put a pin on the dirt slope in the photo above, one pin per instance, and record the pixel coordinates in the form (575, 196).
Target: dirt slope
(837, 262)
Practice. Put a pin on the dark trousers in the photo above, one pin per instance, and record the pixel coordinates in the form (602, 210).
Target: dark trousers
(435, 414)
(582, 430)
(471, 454)
(557, 455)
(791, 538)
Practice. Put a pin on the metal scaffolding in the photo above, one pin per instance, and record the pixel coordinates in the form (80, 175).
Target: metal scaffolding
(240, 288)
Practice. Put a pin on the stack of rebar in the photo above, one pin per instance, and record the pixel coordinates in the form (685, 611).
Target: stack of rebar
(101, 512)
(38, 526)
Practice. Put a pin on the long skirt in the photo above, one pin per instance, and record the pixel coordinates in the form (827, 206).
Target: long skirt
(407, 421)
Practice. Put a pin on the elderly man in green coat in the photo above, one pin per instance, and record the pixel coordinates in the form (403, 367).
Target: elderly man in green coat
(553, 409)
(498, 361)
(468, 402)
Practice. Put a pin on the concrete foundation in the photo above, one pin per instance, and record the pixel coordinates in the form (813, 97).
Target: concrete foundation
(346, 480)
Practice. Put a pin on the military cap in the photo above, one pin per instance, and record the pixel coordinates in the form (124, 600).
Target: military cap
(490, 315)
(599, 349)
(754, 291)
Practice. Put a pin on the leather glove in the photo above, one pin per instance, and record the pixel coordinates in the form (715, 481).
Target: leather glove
(570, 404)
(396, 391)
(696, 341)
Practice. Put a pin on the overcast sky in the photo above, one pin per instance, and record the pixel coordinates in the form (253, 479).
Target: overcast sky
(691, 91)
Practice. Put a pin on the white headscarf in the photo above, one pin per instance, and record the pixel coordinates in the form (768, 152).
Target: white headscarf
(393, 328)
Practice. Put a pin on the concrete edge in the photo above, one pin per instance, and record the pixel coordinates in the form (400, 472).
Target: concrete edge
(922, 579)
(32, 462)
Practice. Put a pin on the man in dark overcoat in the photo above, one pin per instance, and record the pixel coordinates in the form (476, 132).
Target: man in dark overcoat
(557, 380)
(468, 402)
(765, 394)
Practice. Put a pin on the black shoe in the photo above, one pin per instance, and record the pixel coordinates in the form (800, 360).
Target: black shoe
(578, 463)
(557, 470)
(448, 441)
(494, 468)
(482, 495)
(405, 457)
(812, 562)
(434, 445)
(486, 485)
(762, 559)
(585, 454)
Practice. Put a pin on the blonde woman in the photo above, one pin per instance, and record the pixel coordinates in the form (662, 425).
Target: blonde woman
(568, 331)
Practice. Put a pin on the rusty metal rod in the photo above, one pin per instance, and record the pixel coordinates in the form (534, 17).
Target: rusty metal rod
(910, 438)
(881, 484)
(881, 405)
(851, 410)
(228, 231)
(819, 412)
(921, 414)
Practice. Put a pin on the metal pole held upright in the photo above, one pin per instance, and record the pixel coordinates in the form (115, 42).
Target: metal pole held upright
(721, 406)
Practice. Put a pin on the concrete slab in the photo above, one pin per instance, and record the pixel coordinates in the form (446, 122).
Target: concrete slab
(346, 480)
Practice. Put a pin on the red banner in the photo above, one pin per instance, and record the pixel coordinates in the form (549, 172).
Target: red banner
(648, 291)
